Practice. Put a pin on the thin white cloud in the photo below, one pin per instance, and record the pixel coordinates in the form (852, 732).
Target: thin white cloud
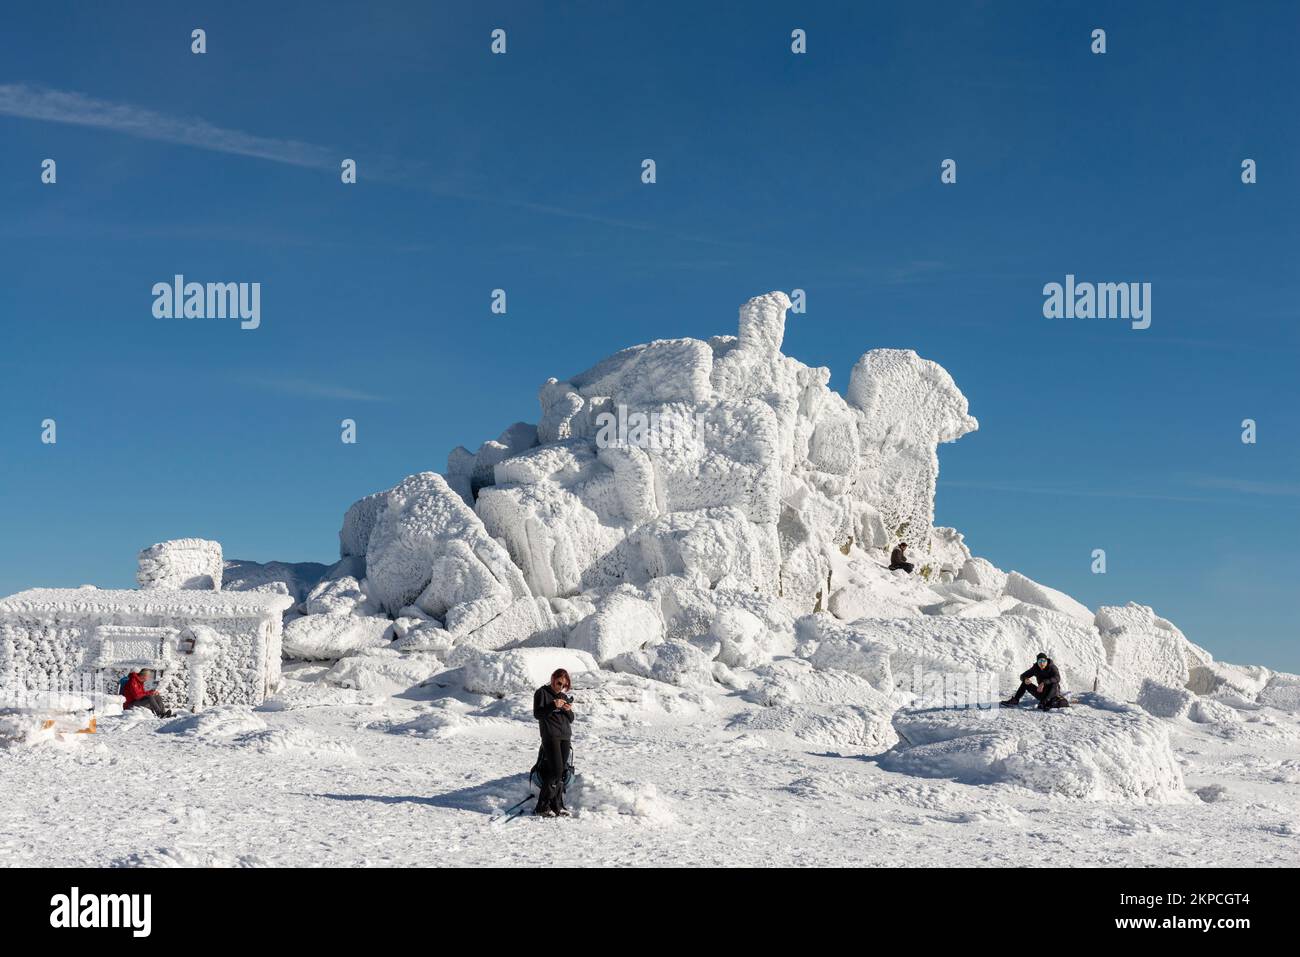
(77, 109)
(1249, 486)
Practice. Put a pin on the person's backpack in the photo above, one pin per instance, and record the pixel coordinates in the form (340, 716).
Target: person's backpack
(535, 772)
(121, 684)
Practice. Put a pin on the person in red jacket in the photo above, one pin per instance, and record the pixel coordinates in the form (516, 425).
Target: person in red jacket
(137, 696)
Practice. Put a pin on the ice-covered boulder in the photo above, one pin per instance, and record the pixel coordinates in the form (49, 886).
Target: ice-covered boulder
(686, 606)
(1003, 647)
(910, 405)
(338, 596)
(427, 636)
(1281, 692)
(850, 727)
(1165, 701)
(1032, 593)
(611, 699)
(1239, 683)
(325, 637)
(358, 523)
(744, 641)
(515, 439)
(672, 662)
(711, 543)
(1099, 753)
(181, 563)
(1140, 644)
(416, 527)
(623, 622)
(562, 531)
(525, 620)
(383, 671)
(1212, 711)
(827, 645)
(855, 600)
(792, 681)
(983, 574)
(521, 670)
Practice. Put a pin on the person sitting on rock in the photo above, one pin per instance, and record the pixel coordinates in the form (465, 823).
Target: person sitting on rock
(1048, 689)
(137, 696)
(898, 559)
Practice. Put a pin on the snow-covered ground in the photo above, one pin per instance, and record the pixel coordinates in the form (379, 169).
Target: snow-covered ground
(700, 532)
(327, 776)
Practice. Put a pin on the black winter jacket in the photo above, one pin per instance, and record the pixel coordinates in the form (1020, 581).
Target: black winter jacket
(553, 722)
(1047, 677)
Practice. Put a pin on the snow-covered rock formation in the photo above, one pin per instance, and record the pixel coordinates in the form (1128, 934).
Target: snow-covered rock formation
(724, 463)
(693, 512)
(181, 563)
(692, 518)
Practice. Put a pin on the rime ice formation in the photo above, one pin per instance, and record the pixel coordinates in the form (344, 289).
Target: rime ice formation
(700, 530)
(181, 563)
(1105, 753)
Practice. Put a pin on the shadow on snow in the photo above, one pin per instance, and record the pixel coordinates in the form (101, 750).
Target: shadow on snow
(490, 797)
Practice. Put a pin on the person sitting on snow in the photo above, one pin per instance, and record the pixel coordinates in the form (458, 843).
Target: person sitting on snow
(1048, 689)
(138, 696)
(898, 559)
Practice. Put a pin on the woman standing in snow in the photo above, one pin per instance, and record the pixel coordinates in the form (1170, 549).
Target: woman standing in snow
(553, 709)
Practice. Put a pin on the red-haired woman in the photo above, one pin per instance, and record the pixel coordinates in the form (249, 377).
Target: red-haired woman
(553, 709)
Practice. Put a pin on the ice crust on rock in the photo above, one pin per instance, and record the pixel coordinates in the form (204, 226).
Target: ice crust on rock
(754, 469)
(522, 670)
(909, 406)
(853, 727)
(1100, 753)
(419, 520)
(1032, 593)
(181, 563)
(623, 622)
(325, 637)
(1141, 645)
(1005, 646)
(382, 670)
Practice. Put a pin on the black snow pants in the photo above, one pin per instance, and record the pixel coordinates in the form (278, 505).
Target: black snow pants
(1045, 695)
(905, 566)
(149, 702)
(555, 758)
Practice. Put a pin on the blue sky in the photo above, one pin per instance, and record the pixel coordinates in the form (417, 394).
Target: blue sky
(775, 171)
